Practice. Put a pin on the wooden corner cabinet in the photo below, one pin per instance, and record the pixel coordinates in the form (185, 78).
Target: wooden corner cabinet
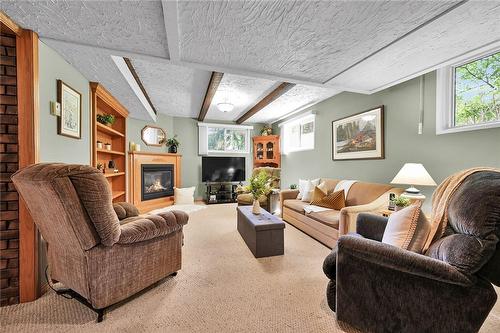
(103, 103)
(266, 151)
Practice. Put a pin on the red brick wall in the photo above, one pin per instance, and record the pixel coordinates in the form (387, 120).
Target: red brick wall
(9, 223)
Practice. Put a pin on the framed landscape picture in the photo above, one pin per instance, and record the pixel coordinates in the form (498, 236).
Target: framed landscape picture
(70, 121)
(360, 136)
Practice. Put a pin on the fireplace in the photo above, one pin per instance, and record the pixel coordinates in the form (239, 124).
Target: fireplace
(157, 181)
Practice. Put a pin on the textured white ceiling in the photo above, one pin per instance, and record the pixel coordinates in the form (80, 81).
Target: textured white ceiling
(243, 92)
(135, 26)
(174, 90)
(306, 40)
(470, 26)
(296, 98)
(351, 45)
(96, 65)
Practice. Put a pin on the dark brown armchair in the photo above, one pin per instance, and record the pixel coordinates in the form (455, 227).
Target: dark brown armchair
(100, 258)
(377, 287)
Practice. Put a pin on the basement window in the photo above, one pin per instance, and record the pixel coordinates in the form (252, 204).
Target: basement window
(223, 138)
(468, 94)
(298, 134)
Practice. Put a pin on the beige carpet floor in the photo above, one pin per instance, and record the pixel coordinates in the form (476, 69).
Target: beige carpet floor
(221, 288)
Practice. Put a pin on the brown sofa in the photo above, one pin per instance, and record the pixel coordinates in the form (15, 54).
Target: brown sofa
(328, 226)
(100, 258)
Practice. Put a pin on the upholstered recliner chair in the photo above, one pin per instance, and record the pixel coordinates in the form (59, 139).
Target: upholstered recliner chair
(245, 199)
(90, 250)
(377, 287)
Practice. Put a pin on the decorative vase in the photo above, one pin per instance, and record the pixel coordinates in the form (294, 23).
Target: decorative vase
(256, 207)
(172, 149)
(107, 146)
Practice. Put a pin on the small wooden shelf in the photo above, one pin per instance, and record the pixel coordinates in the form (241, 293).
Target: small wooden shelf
(112, 152)
(107, 175)
(109, 130)
(117, 194)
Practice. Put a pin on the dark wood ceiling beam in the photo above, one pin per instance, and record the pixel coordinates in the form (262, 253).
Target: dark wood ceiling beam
(215, 80)
(139, 83)
(272, 96)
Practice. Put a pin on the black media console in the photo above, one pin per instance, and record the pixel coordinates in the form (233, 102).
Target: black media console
(221, 193)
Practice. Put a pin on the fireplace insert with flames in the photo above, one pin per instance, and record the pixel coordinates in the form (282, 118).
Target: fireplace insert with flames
(157, 181)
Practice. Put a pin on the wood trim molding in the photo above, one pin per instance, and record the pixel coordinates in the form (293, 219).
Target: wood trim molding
(272, 96)
(7, 21)
(139, 82)
(28, 136)
(215, 80)
(107, 98)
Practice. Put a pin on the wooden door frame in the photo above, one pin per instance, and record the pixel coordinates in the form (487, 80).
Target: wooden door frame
(28, 141)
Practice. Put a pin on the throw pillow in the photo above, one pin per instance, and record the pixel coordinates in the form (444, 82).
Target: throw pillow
(335, 200)
(305, 187)
(407, 229)
(184, 196)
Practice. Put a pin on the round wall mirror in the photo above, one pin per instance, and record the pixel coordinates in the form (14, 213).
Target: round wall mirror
(153, 136)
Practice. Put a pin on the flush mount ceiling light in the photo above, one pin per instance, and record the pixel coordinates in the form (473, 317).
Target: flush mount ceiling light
(225, 107)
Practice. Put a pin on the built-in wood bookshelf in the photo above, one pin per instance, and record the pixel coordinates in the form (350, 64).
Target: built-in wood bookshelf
(102, 102)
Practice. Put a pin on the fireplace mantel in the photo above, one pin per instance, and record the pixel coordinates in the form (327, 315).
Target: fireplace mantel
(136, 159)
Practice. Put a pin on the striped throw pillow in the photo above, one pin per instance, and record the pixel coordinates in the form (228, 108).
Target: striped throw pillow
(334, 200)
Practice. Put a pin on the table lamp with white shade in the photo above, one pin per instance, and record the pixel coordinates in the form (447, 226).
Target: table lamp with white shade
(413, 174)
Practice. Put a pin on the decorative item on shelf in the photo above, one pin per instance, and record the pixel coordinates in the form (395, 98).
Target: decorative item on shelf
(105, 119)
(360, 136)
(391, 206)
(99, 145)
(107, 146)
(400, 203)
(293, 186)
(413, 174)
(258, 185)
(70, 122)
(266, 130)
(131, 146)
(100, 167)
(112, 166)
(172, 144)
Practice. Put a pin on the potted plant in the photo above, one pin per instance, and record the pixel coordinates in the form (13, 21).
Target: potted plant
(293, 186)
(107, 146)
(172, 144)
(259, 185)
(401, 202)
(105, 119)
(266, 130)
(99, 145)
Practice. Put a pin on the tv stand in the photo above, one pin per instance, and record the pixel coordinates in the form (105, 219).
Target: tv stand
(217, 193)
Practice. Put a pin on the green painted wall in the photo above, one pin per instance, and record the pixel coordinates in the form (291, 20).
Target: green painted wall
(440, 154)
(54, 147)
(135, 126)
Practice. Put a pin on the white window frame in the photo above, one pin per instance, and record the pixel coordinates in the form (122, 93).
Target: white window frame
(203, 138)
(304, 118)
(445, 94)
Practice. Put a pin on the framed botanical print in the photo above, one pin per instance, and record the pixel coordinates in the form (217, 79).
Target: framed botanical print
(360, 136)
(69, 123)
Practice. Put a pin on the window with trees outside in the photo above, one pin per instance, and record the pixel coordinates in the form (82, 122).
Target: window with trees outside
(221, 139)
(468, 94)
(298, 134)
(477, 91)
(216, 139)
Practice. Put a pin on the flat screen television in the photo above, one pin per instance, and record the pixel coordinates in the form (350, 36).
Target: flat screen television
(222, 169)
